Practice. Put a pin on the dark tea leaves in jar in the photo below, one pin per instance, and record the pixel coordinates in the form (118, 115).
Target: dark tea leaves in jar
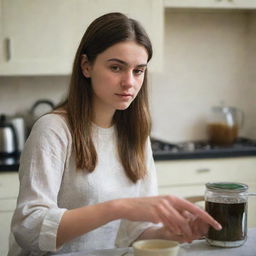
(232, 217)
(227, 203)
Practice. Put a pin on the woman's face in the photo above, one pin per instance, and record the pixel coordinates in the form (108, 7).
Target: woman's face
(116, 75)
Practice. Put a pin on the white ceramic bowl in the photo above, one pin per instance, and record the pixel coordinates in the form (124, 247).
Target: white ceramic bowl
(155, 247)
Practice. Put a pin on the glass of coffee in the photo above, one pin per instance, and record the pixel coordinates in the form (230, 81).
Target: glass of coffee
(227, 203)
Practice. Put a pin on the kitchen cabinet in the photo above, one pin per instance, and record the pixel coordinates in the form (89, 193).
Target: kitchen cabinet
(41, 37)
(9, 186)
(216, 4)
(1, 34)
(187, 178)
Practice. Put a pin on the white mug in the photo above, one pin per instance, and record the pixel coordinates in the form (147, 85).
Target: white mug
(155, 247)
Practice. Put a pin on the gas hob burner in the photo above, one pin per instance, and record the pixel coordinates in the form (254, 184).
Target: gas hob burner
(159, 145)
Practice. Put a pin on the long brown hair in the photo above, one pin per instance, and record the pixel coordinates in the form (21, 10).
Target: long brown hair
(132, 125)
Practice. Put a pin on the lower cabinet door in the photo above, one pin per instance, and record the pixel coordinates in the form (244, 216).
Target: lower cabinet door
(5, 222)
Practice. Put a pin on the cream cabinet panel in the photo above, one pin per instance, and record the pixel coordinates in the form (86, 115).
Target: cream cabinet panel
(202, 171)
(7, 207)
(5, 220)
(1, 35)
(41, 37)
(38, 37)
(215, 4)
(186, 178)
(9, 187)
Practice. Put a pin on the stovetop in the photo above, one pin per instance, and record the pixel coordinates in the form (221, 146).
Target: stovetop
(163, 150)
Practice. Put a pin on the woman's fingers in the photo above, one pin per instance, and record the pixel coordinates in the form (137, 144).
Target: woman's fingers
(183, 204)
(172, 226)
(174, 220)
(200, 227)
(182, 218)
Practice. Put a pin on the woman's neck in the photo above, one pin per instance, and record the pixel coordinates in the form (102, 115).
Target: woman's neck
(102, 114)
(103, 119)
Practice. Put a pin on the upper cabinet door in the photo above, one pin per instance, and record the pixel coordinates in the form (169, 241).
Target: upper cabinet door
(216, 4)
(37, 37)
(41, 37)
(1, 35)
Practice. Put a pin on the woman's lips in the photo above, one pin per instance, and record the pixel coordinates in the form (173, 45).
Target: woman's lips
(124, 96)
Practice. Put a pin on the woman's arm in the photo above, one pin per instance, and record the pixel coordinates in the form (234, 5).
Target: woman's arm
(79, 221)
(182, 220)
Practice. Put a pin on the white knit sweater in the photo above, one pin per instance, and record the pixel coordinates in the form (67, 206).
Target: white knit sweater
(50, 184)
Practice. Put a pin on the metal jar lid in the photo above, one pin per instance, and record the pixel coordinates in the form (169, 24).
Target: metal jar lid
(229, 187)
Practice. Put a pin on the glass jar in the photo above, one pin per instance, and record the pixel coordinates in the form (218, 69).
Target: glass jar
(223, 125)
(227, 203)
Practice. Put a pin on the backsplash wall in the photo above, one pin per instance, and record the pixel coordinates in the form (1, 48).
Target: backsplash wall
(18, 94)
(209, 58)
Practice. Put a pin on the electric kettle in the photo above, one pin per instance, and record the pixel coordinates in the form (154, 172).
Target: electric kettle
(224, 125)
(8, 137)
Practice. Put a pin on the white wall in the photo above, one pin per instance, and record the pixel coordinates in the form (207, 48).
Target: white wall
(209, 57)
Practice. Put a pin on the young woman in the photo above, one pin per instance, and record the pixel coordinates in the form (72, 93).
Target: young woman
(87, 176)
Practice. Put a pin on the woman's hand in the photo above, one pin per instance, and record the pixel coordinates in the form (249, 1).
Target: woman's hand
(165, 233)
(180, 218)
(198, 227)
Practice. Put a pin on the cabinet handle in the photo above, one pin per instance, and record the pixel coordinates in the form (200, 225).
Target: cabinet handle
(8, 49)
(203, 170)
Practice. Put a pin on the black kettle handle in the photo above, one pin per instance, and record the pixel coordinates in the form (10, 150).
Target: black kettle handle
(48, 102)
(15, 136)
(2, 119)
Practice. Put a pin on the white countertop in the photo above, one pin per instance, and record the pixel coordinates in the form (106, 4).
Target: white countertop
(197, 248)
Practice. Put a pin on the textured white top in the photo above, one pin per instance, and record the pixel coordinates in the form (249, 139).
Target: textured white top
(50, 184)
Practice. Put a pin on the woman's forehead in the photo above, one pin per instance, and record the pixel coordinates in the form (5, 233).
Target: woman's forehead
(128, 52)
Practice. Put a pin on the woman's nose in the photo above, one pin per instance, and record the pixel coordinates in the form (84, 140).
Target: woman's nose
(128, 79)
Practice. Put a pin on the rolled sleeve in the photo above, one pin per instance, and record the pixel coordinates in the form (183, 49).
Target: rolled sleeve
(48, 233)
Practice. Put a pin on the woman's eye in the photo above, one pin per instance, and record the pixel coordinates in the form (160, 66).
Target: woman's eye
(138, 71)
(115, 68)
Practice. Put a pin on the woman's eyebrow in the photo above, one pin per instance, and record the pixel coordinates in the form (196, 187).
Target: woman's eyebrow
(125, 63)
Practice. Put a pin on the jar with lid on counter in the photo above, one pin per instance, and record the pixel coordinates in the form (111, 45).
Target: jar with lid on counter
(227, 203)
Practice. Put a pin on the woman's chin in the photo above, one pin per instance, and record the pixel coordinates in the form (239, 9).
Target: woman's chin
(123, 106)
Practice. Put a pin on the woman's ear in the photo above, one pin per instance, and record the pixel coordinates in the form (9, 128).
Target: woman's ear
(85, 66)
